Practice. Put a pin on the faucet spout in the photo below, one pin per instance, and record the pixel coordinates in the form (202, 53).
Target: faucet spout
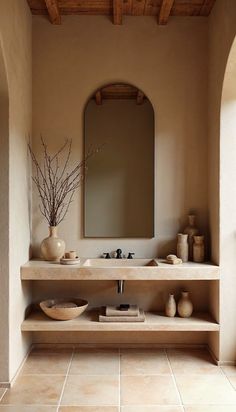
(120, 286)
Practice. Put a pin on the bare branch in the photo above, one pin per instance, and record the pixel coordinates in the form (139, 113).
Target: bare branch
(57, 184)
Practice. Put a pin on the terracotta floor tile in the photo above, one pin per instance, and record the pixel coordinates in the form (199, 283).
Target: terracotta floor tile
(35, 389)
(229, 370)
(191, 361)
(157, 408)
(91, 390)
(27, 408)
(210, 408)
(95, 363)
(232, 380)
(45, 363)
(146, 363)
(205, 389)
(52, 349)
(148, 390)
(89, 409)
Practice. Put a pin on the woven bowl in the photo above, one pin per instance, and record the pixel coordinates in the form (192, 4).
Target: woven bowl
(65, 309)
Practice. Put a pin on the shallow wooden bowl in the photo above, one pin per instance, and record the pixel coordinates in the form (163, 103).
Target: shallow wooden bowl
(64, 310)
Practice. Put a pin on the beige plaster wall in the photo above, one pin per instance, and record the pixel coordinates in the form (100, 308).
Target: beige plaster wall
(170, 65)
(15, 34)
(222, 31)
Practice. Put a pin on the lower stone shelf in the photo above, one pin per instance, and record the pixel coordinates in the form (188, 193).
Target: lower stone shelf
(88, 321)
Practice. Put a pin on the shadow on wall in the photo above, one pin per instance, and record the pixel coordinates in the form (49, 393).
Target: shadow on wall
(228, 205)
(4, 222)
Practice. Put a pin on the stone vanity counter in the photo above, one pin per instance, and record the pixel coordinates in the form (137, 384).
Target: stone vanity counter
(42, 270)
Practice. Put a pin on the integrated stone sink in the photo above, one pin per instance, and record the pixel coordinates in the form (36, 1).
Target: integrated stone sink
(111, 263)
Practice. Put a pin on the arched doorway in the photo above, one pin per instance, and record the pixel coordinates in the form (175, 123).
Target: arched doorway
(4, 222)
(228, 209)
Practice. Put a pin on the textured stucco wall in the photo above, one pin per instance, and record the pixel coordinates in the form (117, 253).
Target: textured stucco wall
(222, 156)
(170, 65)
(16, 40)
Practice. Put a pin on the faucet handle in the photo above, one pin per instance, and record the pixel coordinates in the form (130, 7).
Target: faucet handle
(106, 255)
(130, 255)
(118, 254)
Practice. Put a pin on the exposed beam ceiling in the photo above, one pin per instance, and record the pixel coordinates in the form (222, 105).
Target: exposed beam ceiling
(53, 11)
(117, 11)
(117, 92)
(165, 10)
(159, 9)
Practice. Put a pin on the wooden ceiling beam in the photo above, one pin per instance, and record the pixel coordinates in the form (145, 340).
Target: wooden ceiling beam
(165, 10)
(140, 97)
(98, 98)
(117, 12)
(53, 11)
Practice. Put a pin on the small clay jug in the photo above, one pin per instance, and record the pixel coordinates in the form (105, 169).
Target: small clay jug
(52, 248)
(198, 249)
(182, 246)
(185, 306)
(191, 230)
(170, 307)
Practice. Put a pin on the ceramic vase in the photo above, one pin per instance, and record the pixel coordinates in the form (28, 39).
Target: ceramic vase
(52, 248)
(170, 307)
(191, 230)
(182, 246)
(185, 306)
(198, 249)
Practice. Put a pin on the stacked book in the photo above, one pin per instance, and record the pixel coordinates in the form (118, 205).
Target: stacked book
(122, 313)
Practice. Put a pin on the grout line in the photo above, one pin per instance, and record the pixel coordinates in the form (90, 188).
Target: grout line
(227, 377)
(119, 405)
(64, 384)
(4, 392)
(173, 377)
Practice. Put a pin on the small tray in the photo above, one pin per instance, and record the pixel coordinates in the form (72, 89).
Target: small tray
(67, 261)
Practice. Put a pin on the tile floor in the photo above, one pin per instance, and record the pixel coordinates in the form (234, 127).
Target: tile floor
(126, 380)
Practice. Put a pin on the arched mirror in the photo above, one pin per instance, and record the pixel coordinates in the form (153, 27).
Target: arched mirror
(119, 183)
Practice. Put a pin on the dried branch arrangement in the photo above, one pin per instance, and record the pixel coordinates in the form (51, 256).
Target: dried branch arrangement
(56, 181)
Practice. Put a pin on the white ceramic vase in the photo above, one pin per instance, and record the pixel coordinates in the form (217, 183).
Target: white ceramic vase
(185, 306)
(170, 307)
(182, 246)
(52, 248)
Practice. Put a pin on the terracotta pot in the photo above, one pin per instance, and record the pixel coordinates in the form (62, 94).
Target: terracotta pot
(185, 306)
(52, 248)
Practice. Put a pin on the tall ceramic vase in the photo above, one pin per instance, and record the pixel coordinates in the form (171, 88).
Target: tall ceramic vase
(191, 230)
(198, 249)
(170, 307)
(52, 248)
(182, 246)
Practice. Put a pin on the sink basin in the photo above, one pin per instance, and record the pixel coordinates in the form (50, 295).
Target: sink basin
(111, 263)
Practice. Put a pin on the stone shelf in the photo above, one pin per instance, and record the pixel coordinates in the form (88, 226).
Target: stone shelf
(41, 270)
(88, 321)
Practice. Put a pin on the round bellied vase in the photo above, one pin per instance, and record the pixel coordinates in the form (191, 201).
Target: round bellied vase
(185, 306)
(52, 248)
